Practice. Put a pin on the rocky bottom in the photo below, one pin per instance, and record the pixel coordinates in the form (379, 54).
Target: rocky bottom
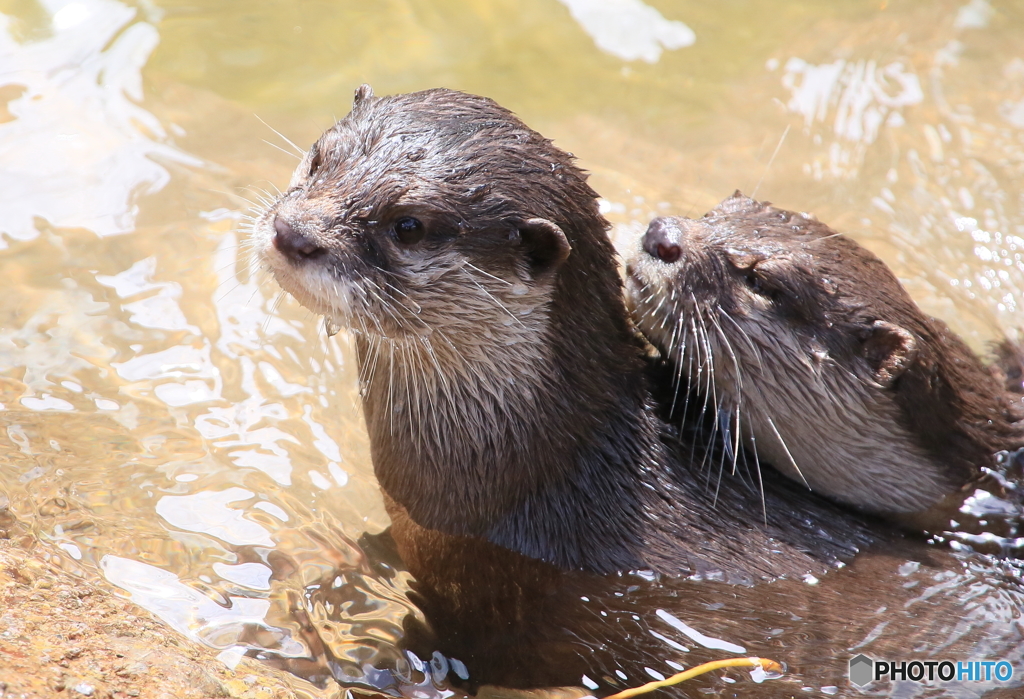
(64, 637)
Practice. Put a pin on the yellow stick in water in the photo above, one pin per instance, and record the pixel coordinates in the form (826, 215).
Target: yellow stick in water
(763, 663)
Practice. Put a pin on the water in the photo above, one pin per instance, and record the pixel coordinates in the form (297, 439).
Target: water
(195, 438)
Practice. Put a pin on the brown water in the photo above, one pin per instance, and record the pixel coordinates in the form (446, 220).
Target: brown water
(196, 439)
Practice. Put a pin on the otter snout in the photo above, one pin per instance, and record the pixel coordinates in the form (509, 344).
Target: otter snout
(293, 244)
(662, 240)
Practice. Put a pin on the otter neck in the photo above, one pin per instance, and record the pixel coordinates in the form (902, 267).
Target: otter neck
(524, 445)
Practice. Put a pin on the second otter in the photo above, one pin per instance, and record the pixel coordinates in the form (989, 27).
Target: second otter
(817, 358)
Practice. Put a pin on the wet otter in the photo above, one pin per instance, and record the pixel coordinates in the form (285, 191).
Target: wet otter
(505, 391)
(817, 358)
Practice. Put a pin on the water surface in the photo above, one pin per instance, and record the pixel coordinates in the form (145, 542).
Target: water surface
(191, 434)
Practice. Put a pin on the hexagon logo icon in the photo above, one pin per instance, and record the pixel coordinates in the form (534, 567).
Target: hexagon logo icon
(861, 669)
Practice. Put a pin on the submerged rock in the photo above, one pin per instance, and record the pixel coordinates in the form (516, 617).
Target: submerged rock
(63, 636)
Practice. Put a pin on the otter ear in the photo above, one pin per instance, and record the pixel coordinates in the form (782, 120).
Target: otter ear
(890, 350)
(363, 93)
(545, 245)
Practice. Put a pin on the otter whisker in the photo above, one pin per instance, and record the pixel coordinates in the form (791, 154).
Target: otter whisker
(429, 394)
(491, 296)
(723, 418)
(709, 367)
(302, 153)
(390, 285)
(786, 449)
(368, 367)
(694, 357)
(227, 292)
(818, 240)
(372, 289)
(651, 291)
(690, 352)
(458, 353)
(391, 288)
(233, 264)
(264, 193)
(262, 198)
(286, 152)
(275, 303)
(703, 350)
(711, 391)
(677, 377)
(760, 480)
(414, 381)
(433, 358)
(365, 306)
(257, 207)
(771, 160)
(364, 364)
(732, 354)
(377, 343)
(675, 331)
(736, 439)
(738, 393)
(256, 291)
(664, 316)
(391, 385)
(467, 263)
(746, 336)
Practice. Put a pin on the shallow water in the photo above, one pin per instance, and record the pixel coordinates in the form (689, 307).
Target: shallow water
(195, 438)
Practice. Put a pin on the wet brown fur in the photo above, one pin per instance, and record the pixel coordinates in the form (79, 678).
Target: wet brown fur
(506, 394)
(1008, 367)
(805, 306)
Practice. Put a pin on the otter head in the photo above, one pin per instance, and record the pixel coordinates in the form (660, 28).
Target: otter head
(752, 263)
(814, 354)
(417, 215)
(467, 254)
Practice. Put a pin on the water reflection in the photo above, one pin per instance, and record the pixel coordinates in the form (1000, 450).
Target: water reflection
(174, 425)
(938, 186)
(78, 149)
(861, 97)
(629, 29)
(537, 626)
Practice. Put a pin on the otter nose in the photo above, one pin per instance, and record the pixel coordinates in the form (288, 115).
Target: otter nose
(293, 244)
(662, 240)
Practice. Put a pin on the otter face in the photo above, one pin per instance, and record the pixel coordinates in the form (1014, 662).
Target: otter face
(402, 221)
(768, 315)
(748, 279)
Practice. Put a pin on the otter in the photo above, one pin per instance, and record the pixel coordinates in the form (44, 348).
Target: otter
(819, 360)
(506, 393)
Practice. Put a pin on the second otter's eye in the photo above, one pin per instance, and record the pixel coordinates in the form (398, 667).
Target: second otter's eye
(755, 283)
(409, 230)
(315, 162)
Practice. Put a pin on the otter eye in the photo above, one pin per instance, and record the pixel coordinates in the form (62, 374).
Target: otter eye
(315, 163)
(756, 284)
(409, 230)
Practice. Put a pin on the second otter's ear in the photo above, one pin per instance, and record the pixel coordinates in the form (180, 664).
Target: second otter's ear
(890, 350)
(544, 243)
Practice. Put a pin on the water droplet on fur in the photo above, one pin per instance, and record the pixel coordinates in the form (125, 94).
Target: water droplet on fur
(330, 327)
(519, 289)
